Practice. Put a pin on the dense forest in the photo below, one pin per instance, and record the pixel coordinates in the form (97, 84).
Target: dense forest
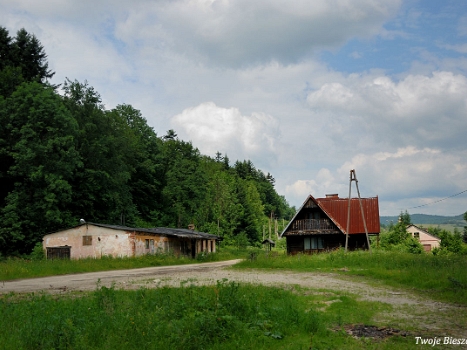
(64, 156)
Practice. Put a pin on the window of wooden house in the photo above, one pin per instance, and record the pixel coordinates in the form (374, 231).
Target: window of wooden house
(87, 240)
(416, 235)
(146, 243)
(313, 243)
(320, 243)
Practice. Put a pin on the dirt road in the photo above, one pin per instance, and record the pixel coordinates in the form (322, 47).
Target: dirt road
(407, 308)
(119, 278)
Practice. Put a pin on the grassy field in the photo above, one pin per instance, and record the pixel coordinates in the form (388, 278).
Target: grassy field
(14, 268)
(442, 277)
(224, 316)
(228, 315)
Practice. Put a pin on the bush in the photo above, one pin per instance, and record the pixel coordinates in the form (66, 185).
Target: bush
(413, 246)
(450, 242)
(397, 234)
(281, 244)
(38, 252)
(398, 239)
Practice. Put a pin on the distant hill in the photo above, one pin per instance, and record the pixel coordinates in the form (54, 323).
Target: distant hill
(423, 219)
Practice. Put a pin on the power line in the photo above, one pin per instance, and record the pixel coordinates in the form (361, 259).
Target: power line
(439, 200)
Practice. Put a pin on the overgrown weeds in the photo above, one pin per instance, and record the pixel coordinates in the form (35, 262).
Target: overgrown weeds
(227, 315)
(443, 277)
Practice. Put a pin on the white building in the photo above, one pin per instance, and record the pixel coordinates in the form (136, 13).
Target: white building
(97, 240)
(427, 240)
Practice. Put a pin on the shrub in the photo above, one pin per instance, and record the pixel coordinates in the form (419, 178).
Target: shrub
(451, 242)
(398, 239)
(413, 246)
(38, 252)
(397, 234)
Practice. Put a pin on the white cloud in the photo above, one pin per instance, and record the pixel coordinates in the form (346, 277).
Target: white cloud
(291, 114)
(213, 128)
(416, 110)
(243, 33)
(405, 171)
(82, 57)
(356, 55)
(325, 183)
(412, 176)
(461, 48)
(302, 188)
(462, 26)
(409, 176)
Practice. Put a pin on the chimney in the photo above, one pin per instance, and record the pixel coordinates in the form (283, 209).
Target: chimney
(333, 195)
(191, 227)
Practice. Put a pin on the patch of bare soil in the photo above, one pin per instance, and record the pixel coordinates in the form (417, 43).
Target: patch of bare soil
(408, 310)
(378, 333)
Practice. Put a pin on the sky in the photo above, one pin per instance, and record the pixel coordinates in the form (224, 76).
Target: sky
(306, 90)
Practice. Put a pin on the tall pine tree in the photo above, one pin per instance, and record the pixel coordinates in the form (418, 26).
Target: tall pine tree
(29, 55)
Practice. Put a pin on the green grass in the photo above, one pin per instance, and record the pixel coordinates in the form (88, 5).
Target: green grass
(15, 268)
(224, 316)
(441, 277)
(229, 315)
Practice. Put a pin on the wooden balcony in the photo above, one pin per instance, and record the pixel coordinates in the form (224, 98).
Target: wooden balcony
(312, 226)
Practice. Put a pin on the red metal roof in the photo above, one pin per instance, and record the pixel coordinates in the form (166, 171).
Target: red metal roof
(337, 210)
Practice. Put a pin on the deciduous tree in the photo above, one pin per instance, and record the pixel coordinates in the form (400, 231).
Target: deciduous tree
(42, 159)
(146, 177)
(101, 190)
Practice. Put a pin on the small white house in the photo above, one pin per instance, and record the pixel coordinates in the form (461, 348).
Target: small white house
(427, 240)
(97, 240)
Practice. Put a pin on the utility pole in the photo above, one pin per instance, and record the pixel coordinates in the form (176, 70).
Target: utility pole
(270, 219)
(283, 226)
(353, 177)
(276, 228)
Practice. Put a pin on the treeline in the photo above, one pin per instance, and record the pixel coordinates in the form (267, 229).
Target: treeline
(64, 156)
(424, 219)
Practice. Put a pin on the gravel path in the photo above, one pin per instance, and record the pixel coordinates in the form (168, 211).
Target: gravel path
(408, 309)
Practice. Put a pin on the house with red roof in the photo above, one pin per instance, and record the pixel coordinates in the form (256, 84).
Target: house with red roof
(321, 224)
